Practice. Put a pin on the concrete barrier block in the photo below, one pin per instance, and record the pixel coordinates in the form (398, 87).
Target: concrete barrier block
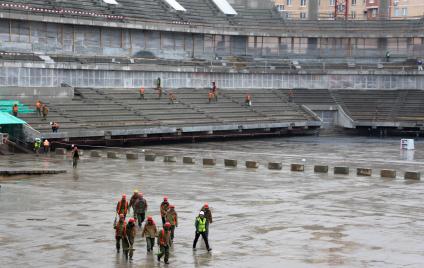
(149, 157)
(188, 160)
(60, 151)
(412, 176)
(320, 169)
(252, 164)
(341, 170)
(297, 167)
(95, 154)
(170, 159)
(112, 155)
(230, 163)
(388, 173)
(364, 172)
(209, 162)
(275, 166)
(132, 156)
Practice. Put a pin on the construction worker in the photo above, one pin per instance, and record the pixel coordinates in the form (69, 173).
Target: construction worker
(164, 208)
(134, 198)
(128, 240)
(45, 111)
(208, 213)
(37, 145)
(215, 91)
(15, 109)
(201, 230)
(172, 97)
(158, 83)
(248, 100)
(164, 241)
(172, 218)
(75, 156)
(120, 231)
(290, 95)
(46, 146)
(122, 206)
(55, 126)
(210, 96)
(140, 209)
(142, 93)
(38, 107)
(150, 232)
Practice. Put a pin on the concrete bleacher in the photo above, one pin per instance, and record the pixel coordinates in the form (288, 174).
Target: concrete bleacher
(123, 110)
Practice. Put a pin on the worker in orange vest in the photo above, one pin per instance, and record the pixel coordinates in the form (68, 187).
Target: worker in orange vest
(120, 231)
(46, 145)
(142, 93)
(164, 242)
(248, 100)
(15, 110)
(172, 218)
(210, 96)
(122, 206)
(38, 107)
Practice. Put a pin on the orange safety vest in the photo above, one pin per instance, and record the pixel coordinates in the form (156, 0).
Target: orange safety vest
(142, 90)
(162, 240)
(46, 143)
(124, 230)
(15, 108)
(38, 105)
(120, 205)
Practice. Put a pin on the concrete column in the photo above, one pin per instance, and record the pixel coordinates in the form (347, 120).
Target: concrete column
(313, 9)
(363, 171)
(388, 173)
(275, 166)
(188, 160)
(112, 155)
(132, 156)
(320, 169)
(170, 159)
(230, 163)
(412, 176)
(297, 167)
(95, 154)
(149, 157)
(252, 164)
(209, 162)
(341, 170)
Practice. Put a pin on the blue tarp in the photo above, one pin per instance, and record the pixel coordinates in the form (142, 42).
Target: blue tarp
(8, 119)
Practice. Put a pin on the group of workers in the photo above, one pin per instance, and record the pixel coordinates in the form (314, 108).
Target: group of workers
(42, 109)
(38, 143)
(125, 233)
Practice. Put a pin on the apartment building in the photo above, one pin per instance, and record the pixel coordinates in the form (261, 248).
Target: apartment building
(357, 9)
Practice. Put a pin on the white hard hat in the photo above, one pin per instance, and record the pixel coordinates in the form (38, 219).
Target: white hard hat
(201, 213)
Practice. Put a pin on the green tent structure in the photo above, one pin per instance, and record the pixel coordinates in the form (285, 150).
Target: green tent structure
(8, 119)
(12, 125)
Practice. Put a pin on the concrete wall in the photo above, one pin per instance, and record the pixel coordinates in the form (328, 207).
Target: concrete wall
(53, 77)
(43, 92)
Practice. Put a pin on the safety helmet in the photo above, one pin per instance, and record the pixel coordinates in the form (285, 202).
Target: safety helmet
(121, 216)
(131, 220)
(165, 198)
(135, 191)
(149, 218)
(140, 194)
(206, 205)
(171, 206)
(124, 196)
(202, 213)
(167, 224)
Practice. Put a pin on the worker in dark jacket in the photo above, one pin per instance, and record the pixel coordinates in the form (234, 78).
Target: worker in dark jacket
(120, 231)
(128, 240)
(140, 209)
(150, 232)
(201, 230)
(164, 208)
(208, 216)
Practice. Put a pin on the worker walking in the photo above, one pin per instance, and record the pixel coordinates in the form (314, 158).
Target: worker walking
(75, 156)
(248, 100)
(15, 110)
(201, 230)
(164, 206)
(140, 209)
(38, 107)
(164, 242)
(46, 146)
(142, 93)
(120, 231)
(133, 199)
(208, 216)
(172, 218)
(45, 111)
(215, 91)
(150, 232)
(37, 145)
(122, 206)
(128, 240)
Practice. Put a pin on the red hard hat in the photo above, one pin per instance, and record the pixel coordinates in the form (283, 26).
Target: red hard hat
(121, 216)
(206, 205)
(150, 218)
(165, 198)
(140, 194)
(131, 220)
(167, 224)
(124, 196)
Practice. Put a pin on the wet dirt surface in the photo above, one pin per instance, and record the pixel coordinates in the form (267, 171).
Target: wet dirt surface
(261, 217)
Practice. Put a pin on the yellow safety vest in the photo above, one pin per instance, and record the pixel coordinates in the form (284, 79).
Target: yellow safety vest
(201, 227)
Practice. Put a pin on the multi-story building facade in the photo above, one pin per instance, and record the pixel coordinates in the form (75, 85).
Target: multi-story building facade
(357, 9)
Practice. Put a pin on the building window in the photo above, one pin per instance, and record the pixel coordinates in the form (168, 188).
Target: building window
(353, 14)
(353, 2)
(332, 2)
(404, 11)
(396, 12)
(302, 3)
(287, 15)
(280, 8)
(302, 15)
(289, 2)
